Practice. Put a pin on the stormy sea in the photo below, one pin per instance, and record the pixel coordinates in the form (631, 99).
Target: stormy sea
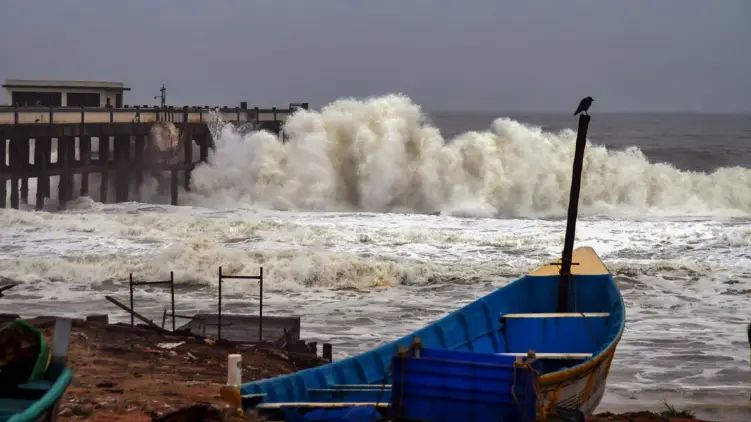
(373, 217)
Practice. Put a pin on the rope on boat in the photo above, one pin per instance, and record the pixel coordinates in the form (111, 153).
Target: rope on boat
(389, 373)
(579, 399)
(528, 367)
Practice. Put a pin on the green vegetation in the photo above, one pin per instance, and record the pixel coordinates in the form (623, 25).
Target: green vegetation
(672, 412)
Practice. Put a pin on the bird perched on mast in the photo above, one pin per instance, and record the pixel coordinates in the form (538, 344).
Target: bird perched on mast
(584, 105)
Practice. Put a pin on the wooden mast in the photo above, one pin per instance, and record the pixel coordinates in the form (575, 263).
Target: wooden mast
(573, 210)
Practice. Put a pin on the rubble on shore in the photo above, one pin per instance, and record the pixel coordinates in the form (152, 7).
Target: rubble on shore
(643, 417)
(136, 373)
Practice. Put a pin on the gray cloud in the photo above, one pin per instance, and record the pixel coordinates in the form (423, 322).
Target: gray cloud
(675, 55)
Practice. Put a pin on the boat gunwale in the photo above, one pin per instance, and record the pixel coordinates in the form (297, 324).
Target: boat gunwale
(47, 402)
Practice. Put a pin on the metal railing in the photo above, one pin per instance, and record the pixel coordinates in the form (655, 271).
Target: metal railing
(258, 278)
(170, 283)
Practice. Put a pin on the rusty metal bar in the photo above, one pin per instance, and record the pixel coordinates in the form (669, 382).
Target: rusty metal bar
(131, 298)
(170, 282)
(133, 313)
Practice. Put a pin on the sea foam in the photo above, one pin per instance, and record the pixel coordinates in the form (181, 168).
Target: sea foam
(383, 155)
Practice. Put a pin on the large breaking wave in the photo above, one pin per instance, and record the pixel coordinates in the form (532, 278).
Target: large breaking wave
(383, 155)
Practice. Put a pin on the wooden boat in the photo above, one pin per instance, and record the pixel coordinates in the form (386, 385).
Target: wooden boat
(574, 349)
(538, 347)
(38, 400)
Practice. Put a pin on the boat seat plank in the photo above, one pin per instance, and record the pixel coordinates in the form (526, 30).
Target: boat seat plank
(344, 390)
(552, 355)
(13, 406)
(349, 395)
(313, 405)
(376, 386)
(41, 385)
(251, 400)
(558, 315)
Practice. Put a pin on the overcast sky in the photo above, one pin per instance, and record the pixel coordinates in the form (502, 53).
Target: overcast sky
(677, 55)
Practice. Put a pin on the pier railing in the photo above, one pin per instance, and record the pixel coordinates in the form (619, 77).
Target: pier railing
(12, 115)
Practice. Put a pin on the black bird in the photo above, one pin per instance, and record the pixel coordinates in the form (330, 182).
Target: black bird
(584, 105)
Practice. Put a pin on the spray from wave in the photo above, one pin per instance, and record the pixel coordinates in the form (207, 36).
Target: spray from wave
(382, 155)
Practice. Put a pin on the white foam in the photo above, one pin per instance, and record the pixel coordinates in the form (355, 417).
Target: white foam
(381, 154)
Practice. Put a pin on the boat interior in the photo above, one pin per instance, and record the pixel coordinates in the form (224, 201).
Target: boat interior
(33, 400)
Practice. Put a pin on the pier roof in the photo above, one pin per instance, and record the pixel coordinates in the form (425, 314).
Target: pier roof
(28, 83)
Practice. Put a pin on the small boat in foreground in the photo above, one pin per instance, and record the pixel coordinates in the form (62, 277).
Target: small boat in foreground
(36, 398)
(538, 347)
(566, 356)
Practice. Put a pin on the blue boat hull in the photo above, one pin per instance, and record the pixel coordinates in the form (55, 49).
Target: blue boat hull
(516, 319)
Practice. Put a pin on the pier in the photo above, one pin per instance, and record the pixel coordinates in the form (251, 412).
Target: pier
(118, 144)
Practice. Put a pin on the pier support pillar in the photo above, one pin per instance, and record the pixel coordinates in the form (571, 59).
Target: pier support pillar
(65, 158)
(173, 186)
(188, 145)
(24, 157)
(104, 162)
(3, 173)
(122, 158)
(139, 165)
(205, 143)
(84, 143)
(70, 145)
(41, 160)
(14, 170)
(43, 150)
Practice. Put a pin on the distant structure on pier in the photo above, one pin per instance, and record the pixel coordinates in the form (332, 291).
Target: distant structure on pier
(29, 93)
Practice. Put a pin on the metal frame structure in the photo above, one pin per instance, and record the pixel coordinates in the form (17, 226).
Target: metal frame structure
(258, 278)
(170, 282)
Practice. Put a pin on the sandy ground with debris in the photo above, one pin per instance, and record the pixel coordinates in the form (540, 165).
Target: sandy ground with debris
(122, 374)
(639, 417)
